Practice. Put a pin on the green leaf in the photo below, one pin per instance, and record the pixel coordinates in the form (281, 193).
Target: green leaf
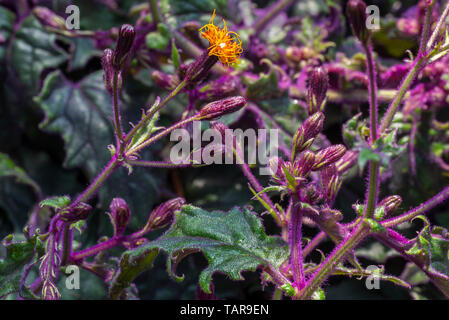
(158, 39)
(83, 50)
(231, 242)
(376, 252)
(9, 169)
(55, 202)
(19, 254)
(175, 55)
(33, 51)
(7, 19)
(431, 246)
(18, 194)
(375, 225)
(318, 295)
(128, 271)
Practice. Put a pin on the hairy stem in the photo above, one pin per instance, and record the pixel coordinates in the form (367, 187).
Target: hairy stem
(98, 182)
(373, 185)
(153, 111)
(421, 209)
(416, 67)
(295, 239)
(336, 256)
(117, 122)
(440, 23)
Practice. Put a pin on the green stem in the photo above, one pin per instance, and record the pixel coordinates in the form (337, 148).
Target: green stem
(155, 12)
(97, 183)
(417, 64)
(153, 111)
(160, 135)
(438, 27)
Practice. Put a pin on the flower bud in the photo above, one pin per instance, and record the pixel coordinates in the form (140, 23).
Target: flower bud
(330, 182)
(390, 204)
(307, 132)
(119, 215)
(197, 70)
(49, 18)
(80, 212)
(347, 161)
(50, 291)
(311, 194)
(275, 164)
(219, 108)
(328, 156)
(305, 163)
(356, 13)
(108, 75)
(163, 214)
(316, 95)
(125, 40)
(163, 80)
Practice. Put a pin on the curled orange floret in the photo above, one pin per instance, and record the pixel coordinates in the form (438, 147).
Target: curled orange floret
(224, 44)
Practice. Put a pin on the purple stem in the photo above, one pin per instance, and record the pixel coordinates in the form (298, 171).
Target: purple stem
(295, 239)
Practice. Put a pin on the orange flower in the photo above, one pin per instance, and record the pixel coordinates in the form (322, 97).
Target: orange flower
(224, 44)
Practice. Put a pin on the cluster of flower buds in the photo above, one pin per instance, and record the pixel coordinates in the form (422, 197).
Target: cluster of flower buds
(163, 214)
(119, 215)
(356, 13)
(317, 90)
(216, 109)
(112, 61)
(307, 132)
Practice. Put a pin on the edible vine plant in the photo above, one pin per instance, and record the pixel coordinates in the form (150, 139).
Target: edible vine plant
(306, 177)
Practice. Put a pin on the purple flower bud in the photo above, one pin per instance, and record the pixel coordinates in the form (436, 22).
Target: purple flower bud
(119, 215)
(219, 108)
(125, 40)
(108, 75)
(311, 194)
(347, 161)
(390, 204)
(49, 291)
(80, 212)
(197, 70)
(307, 132)
(49, 18)
(163, 214)
(356, 13)
(328, 156)
(305, 163)
(276, 164)
(330, 182)
(318, 84)
(163, 80)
